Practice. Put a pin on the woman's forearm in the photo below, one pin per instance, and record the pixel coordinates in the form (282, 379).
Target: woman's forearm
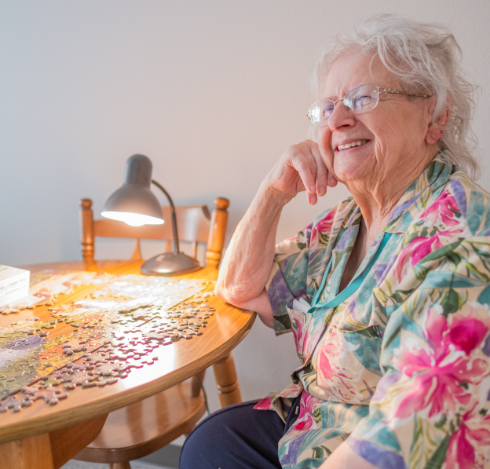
(248, 260)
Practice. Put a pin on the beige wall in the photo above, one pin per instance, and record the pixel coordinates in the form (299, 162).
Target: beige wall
(211, 91)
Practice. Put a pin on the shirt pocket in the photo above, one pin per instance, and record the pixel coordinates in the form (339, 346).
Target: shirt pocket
(363, 339)
(347, 363)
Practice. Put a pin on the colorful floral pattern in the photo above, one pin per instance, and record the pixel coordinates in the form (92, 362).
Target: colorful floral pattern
(401, 369)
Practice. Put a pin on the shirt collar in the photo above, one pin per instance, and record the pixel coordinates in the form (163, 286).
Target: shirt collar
(421, 193)
(418, 196)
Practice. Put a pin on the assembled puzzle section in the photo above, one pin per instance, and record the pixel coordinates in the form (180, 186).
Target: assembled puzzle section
(115, 330)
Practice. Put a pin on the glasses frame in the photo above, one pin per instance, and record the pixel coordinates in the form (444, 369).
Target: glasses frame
(381, 92)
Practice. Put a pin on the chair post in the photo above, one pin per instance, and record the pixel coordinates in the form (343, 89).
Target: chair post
(87, 230)
(196, 383)
(217, 232)
(137, 251)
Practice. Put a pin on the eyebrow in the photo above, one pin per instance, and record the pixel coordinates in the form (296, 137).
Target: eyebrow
(335, 98)
(331, 98)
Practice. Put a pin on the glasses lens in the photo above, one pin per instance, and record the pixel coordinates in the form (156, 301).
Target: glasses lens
(320, 112)
(362, 99)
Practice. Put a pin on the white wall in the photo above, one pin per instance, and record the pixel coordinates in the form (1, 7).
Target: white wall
(212, 91)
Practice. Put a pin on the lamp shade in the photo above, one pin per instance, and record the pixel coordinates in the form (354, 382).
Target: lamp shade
(134, 202)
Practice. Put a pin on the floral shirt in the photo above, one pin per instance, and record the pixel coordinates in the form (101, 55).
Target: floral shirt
(401, 369)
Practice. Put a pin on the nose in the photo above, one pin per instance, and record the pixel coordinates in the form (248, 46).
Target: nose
(341, 117)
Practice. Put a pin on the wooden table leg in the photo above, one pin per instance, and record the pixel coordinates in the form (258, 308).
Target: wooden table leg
(69, 441)
(120, 465)
(50, 450)
(29, 453)
(227, 381)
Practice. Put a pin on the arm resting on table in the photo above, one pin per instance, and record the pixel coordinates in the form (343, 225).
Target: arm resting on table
(248, 260)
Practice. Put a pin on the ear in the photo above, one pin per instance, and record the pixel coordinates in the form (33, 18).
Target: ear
(437, 124)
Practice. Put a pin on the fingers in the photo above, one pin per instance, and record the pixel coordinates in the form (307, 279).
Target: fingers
(306, 169)
(311, 198)
(302, 168)
(321, 172)
(325, 177)
(313, 173)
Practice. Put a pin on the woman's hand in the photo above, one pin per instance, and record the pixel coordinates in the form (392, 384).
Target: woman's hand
(301, 168)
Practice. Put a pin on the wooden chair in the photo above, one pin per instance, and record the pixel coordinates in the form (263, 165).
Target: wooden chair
(146, 426)
(195, 224)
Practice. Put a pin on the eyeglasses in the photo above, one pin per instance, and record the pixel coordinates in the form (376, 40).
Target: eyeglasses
(364, 98)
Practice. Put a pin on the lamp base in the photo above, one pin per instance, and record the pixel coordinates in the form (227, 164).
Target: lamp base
(169, 264)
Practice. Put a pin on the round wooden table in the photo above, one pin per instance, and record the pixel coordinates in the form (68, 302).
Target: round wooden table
(43, 436)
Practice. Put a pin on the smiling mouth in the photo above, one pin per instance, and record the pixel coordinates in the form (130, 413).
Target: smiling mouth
(359, 143)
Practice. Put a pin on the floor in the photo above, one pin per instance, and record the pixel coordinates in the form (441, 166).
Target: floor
(90, 465)
(165, 458)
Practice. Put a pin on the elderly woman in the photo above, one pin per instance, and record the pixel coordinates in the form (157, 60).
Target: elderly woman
(387, 293)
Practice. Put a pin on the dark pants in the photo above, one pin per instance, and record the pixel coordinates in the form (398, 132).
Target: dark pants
(237, 437)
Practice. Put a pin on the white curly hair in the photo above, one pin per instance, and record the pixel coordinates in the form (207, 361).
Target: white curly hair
(423, 56)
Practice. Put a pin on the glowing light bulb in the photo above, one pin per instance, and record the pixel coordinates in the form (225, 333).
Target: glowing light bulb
(133, 219)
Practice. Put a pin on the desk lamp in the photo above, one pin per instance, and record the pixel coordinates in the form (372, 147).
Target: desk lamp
(135, 204)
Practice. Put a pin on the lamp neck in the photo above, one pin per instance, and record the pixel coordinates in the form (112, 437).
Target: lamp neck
(174, 217)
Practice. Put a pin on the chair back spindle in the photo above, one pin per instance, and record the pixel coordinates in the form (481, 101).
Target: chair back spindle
(217, 232)
(87, 230)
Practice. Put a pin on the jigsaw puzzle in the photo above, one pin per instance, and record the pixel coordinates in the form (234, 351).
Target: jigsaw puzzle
(114, 330)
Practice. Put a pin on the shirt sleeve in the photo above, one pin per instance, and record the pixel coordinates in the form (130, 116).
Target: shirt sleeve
(288, 277)
(431, 406)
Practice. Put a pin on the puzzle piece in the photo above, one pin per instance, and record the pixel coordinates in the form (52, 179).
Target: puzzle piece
(30, 394)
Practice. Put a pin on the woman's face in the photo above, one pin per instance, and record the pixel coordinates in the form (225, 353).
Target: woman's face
(393, 135)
